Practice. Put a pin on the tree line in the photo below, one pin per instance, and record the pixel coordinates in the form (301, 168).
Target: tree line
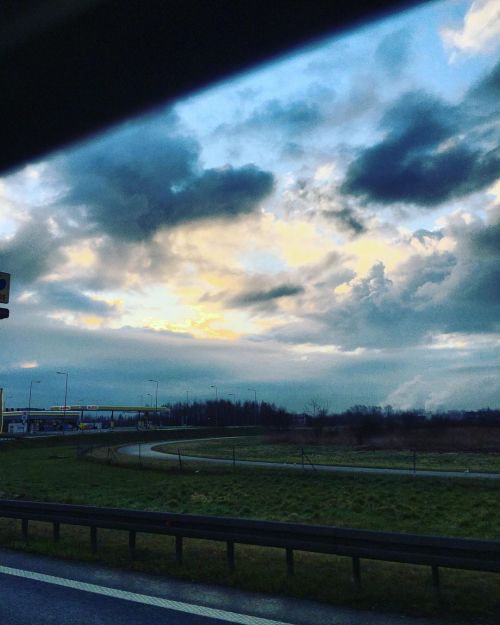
(225, 413)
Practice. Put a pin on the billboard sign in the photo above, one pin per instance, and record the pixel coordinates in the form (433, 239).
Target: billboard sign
(4, 287)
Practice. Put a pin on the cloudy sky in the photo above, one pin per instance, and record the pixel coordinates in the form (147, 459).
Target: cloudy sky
(326, 227)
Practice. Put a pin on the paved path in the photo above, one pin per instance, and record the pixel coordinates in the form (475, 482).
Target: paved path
(146, 451)
(45, 591)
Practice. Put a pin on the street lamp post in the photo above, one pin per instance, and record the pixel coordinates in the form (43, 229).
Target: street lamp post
(146, 413)
(29, 400)
(156, 398)
(216, 405)
(231, 411)
(141, 397)
(255, 401)
(80, 402)
(186, 420)
(65, 397)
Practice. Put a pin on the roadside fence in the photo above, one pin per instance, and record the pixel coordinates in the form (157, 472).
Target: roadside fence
(357, 544)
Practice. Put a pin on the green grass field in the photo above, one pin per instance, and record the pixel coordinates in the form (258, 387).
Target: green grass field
(259, 448)
(468, 508)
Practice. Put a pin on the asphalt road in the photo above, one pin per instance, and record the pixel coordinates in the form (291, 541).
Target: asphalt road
(38, 590)
(146, 450)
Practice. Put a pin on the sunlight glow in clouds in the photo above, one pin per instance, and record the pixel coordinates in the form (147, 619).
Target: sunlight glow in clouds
(338, 236)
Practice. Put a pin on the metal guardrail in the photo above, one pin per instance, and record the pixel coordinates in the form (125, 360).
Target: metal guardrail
(433, 551)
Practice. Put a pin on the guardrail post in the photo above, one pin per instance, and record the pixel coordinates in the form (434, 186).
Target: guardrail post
(178, 549)
(356, 573)
(230, 555)
(24, 529)
(431, 553)
(289, 561)
(436, 582)
(131, 542)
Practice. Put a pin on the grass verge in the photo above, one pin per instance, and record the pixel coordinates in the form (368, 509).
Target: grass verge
(259, 448)
(434, 506)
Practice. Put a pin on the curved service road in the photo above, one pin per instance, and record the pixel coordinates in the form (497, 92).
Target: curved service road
(146, 450)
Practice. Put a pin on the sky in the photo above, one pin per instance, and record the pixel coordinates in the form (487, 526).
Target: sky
(325, 227)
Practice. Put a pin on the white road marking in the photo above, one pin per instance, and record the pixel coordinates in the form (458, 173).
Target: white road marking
(159, 602)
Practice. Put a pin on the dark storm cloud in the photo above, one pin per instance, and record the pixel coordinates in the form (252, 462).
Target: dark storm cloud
(322, 199)
(327, 274)
(346, 219)
(432, 151)
(454, 291)
(30, 253)
(297, 116)
(487, 241)
(222, 193)
(488, 87)
(442, 292)
(61, 296)
(369, 317)
(49, 297)
(292, 118)
(393, 52)
(420, 273)
(251, 298)
(264, 293)
(144, 177)
(475, 285)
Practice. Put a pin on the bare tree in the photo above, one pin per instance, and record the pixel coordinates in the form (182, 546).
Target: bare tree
(318, 411)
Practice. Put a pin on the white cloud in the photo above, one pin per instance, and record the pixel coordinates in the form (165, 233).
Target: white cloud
(31, 364)
(479, 33)
(411, 394)
(456, 388)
